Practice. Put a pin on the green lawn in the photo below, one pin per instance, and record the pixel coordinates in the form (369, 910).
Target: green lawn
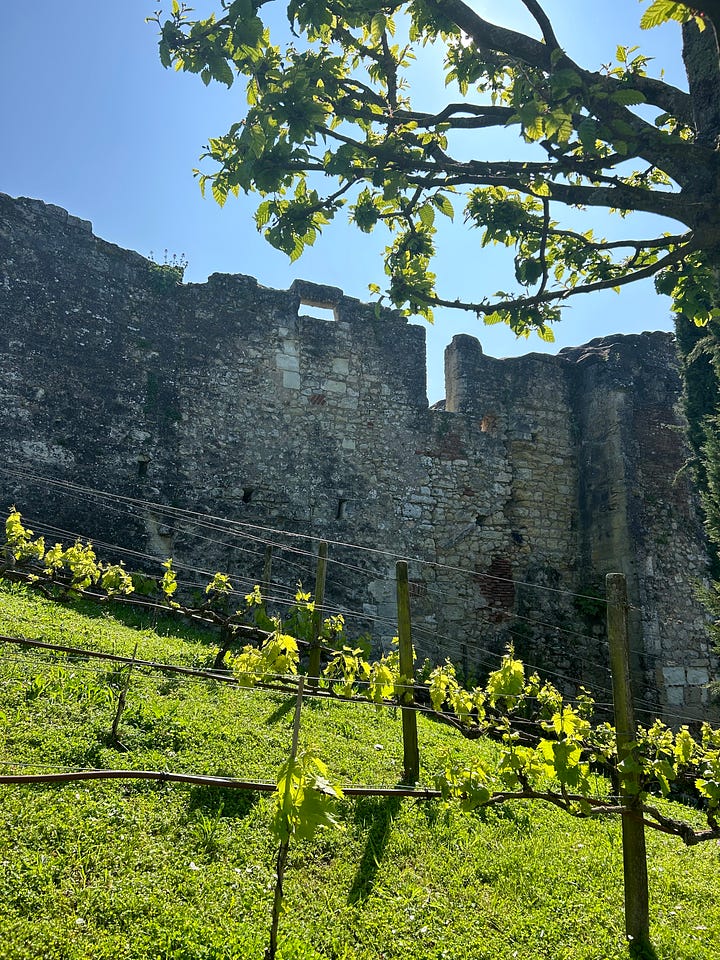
(147, 871)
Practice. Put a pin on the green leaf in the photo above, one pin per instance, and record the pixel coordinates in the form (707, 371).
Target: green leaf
(223, 73)
(427, 215)
(262, 214)
(257, 139)
(627, 97)
(685, 746)
(219, 192)
(588, 133)
(546, 334)
(444, 205)
(660, 11)
(497, 316)
(377, 26)
(507, 682)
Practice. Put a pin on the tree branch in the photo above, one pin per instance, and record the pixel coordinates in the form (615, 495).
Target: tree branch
(543, 21)
(543, 246)
(618, 244)
(537, 54)
(678, 828)
(483, 116)
(488, 36)
(550, 296)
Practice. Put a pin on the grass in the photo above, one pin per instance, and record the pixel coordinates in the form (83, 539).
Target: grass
(147, 871)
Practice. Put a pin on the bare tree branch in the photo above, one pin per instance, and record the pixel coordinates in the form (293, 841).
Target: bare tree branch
(543, 21)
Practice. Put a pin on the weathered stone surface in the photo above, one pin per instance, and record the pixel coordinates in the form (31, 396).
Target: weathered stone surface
(533, 479)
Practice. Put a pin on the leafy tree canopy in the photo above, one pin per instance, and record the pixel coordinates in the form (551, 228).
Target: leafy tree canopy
(333, 124)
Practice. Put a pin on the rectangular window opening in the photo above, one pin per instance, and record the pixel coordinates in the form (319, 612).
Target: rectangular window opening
(320, 311)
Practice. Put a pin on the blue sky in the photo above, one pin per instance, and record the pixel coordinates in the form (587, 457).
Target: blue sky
(93, 123)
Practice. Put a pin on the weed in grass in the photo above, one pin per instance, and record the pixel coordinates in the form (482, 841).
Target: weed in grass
(205, 831)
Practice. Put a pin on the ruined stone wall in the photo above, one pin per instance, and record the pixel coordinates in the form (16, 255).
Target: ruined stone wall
(532, 480)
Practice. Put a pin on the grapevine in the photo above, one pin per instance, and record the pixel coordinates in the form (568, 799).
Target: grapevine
(547, 747)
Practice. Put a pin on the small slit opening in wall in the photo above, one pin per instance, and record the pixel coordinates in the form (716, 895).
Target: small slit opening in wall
(321, 311)
(142, 466)
(247, 494)
(488, 423)
(341, 511)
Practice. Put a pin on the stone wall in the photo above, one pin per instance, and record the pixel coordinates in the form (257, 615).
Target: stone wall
(533, 479)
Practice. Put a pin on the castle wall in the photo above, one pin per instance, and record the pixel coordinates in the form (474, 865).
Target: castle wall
(535, 477)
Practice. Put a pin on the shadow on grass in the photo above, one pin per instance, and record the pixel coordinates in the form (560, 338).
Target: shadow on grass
(379, 813)
(139, 617)
(642, 951)
(222, 801)
(282, 711)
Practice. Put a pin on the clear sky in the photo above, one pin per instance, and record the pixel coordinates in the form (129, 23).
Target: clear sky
(92, 122)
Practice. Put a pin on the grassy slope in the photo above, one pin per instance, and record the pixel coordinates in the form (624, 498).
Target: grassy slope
(140, 870)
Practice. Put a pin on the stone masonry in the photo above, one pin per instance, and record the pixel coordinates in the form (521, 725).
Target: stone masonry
(513, 497)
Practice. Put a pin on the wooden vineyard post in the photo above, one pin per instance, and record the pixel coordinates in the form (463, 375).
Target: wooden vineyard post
(267, 573)
(284, 844)
(637, 905)
(314, 662)
(411, 753)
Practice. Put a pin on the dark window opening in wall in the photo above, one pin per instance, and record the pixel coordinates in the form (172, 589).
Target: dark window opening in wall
(321, 311)
(142, 466)
(497, 585)
(341, 511)
(248, 494)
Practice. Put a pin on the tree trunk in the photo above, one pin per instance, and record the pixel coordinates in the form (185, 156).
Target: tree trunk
(702, 65)
(700, 346)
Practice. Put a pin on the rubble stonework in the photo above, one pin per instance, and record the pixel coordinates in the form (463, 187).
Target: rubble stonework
(535, 477)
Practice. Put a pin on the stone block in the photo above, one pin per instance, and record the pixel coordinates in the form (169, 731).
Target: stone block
(284, 361)
(673, 676)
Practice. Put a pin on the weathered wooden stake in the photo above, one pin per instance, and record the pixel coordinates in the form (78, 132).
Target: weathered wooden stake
(637, 903)
(314, 662)
(411, 753)
(284, 844)
(267, 573)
